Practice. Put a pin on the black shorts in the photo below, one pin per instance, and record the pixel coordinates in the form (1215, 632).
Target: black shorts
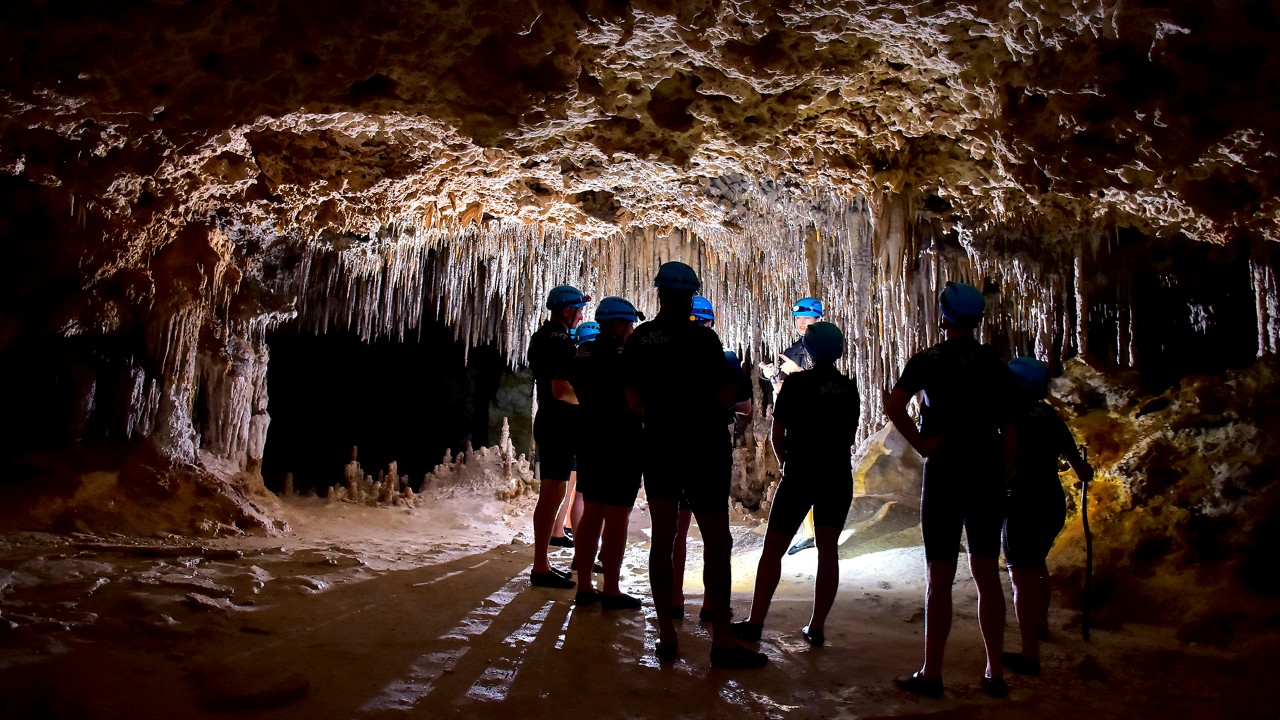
(608, 480)
(830, 496)
(555, 435)
(701, 480)
(1030, 527)
(961, 491)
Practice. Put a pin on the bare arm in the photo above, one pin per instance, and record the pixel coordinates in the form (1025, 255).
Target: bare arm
(1084, 471)
(563, 390)
(895, 406)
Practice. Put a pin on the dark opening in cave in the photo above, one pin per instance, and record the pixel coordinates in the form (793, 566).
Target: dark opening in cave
(406, 402)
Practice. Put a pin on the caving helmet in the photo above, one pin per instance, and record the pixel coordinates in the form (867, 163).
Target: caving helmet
(676, 275)
(587, 332)
(616, 308)
(563, 296)
(962, 304)
(825, 342)
(807, 307)
(1031, 376)
(702, 309)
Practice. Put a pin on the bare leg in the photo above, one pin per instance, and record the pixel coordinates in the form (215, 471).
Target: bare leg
(613, 545)
(1029, 606)
(991, 614)
(663, 514)
(679, 555)
(550, 494)
(937, 615)
(562, 512)
(585, 541)
(716, 542)
(575, 511)
(824, 591)
(768, 573)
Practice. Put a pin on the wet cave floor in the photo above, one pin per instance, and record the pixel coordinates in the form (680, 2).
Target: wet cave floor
(379, 612)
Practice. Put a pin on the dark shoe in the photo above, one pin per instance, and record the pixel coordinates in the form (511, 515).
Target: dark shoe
(677, 612)
(920, 685)
(1042, 634)
(816, 638)
(1018, 663)
(667, 651)
(620, 602)
(737, 656)
(562, 542)
(566, 574)
(550, 580)
(801, 544)
(705, 615)
(568, 532)
(597, 568)
(586, 597)
(995, 687)
(748, 631)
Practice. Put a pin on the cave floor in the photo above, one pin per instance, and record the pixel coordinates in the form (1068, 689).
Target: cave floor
(377, 612)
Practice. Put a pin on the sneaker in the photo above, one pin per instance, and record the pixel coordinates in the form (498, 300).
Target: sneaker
(748, 631)
(561, 542)
(586, 597)
(737, 656)
(667, 651)
(920, 685)
(705, 614)
(995, 687)
(801, 544)
(620, 602)
(597, 568)
(816, 638)
(1019, 663)
(568, 532)
(550, 580)
(567, 574)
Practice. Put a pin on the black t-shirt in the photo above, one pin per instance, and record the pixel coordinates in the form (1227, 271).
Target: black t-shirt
(551, 353)
(819, 410)
(799, 354)
(967, 389)
(599, 382)
(678, 367)
(739, 376)
(1042, 438)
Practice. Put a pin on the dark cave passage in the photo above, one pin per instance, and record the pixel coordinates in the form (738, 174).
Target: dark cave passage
(406, 402)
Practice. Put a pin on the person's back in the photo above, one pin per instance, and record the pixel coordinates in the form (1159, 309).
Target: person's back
(1043, 438)
(819, 410)
(600, 384)
(678, 368)
(966, 385)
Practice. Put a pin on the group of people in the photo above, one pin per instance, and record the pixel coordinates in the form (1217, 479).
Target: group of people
(668, 388)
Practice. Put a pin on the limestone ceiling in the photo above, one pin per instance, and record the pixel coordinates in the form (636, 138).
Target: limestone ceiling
(605, 115)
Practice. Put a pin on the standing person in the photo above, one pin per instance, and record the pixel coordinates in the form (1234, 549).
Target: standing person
(551, 353)
(815, 423)
(795, 359)
(703, 313)
(1037, 506)
(678, 381)
(967, 389)
(609, 480)
(571, 509)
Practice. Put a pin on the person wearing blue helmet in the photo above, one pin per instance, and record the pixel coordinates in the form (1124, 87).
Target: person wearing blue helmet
(555, 424)
(609, 480)
(704, 314)
(586, 332)
(815, 423)
(1037, 505)
(794, 359)
(678, 382)
(571, 508)
(967, 394)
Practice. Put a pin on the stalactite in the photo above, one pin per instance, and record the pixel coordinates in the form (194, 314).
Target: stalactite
(1266, 299)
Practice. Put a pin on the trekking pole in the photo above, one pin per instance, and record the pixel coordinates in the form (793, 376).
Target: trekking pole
(1088, 552)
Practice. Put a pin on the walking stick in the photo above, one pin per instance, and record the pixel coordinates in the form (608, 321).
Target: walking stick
(1088, 551)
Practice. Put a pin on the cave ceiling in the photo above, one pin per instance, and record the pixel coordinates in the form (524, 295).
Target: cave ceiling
(598, 117)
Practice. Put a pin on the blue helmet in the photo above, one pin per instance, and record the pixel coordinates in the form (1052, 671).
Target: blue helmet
(563, 296)
(824, 341)
(962, 304)
(586, 332)
(807, 307)
(1031, 376)
(616, 308)
(677, 276)
(702, 309)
